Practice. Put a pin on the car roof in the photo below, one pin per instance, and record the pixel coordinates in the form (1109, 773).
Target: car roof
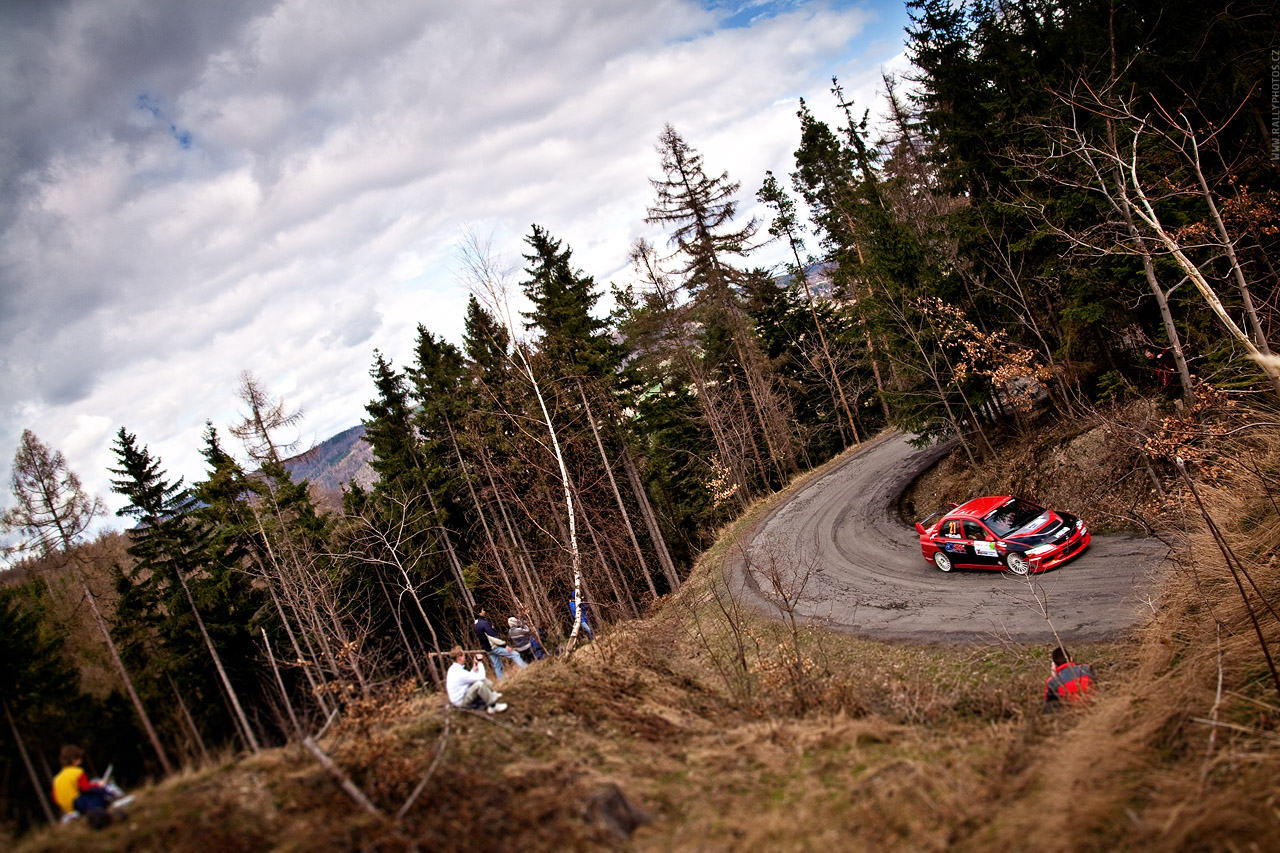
(978, 507)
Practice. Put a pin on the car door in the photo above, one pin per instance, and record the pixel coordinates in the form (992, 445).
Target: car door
(981, 545)
(952, 542)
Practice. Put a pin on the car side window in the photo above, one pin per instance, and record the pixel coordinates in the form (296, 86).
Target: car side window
(952, 529)
(974, 530)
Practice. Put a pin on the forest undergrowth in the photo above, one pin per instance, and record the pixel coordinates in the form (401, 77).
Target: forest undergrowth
(707, 726)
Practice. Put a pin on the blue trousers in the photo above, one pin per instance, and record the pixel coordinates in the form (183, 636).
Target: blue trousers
(496, 656)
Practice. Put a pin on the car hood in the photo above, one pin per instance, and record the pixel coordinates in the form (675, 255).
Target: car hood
(1047, 528)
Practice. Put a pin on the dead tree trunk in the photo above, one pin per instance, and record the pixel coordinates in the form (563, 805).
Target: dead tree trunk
(217, 663)
(650, 520)
(617, 495)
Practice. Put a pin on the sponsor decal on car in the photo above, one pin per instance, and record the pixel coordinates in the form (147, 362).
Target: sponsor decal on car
(984, 549)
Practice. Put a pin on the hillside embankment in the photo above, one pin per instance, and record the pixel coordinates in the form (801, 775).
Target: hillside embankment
(709, 725)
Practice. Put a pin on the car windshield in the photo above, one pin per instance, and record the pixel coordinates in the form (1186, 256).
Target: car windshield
(1012, 515)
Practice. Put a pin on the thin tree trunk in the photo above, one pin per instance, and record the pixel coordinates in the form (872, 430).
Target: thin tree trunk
(831, 364)
(615, 560)
(764, 401)
(871, 347)
(822, 339)
(1228, 245)
(604, 563)
(297, 650)
(302, 613)
(217, 662)
(617, 494)
(574, 555)
(344, 781)
(707, 402)
(191, 723)
(1146, 212)
(31, 770)
(284, 694)
(749, 440)
(404, 638)
(484, 522)
(453, 556)
(408, 585)
(128, 682)
(650, 520)
(519, 550)
(1149, 270)
(235, 721)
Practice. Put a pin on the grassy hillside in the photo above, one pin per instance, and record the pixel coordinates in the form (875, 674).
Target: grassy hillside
(731, 732)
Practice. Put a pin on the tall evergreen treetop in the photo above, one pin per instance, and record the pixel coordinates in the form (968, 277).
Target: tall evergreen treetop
(167, 539)
(389, 428)
(485, 340)
(563, 299)
(701, 210)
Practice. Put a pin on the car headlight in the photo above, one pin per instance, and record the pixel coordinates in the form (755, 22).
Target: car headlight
(1040, 549)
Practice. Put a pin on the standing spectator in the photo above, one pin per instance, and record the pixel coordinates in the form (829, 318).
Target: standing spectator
(1070, 684)
(573, 615)
(468, 688)
(520, 638)
(494, 644)
(536, 638)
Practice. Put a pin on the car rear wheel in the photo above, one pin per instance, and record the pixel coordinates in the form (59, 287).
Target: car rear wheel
(1018, 563)
(942, 561)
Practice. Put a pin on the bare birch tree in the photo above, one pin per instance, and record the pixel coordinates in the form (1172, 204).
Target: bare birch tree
(491, 284)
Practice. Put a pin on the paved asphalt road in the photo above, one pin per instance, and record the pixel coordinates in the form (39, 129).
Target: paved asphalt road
(868, 576)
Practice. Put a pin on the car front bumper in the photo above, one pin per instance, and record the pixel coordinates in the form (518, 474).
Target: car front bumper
(1069, 549)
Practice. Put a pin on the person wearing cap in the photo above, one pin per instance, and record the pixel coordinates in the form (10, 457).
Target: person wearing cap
(520, 638)
(1070, 684)
(492, 643)
(469, 689)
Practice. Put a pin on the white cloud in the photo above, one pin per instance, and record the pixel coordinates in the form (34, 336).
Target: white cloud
(196, 192)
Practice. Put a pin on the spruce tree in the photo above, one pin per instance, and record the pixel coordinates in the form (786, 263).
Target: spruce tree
(169, 543)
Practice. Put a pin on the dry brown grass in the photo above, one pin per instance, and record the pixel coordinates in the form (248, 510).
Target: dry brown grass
(902, 748)
(1145, 768)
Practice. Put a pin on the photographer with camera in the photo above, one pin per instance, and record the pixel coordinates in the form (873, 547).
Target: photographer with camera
(469, 689)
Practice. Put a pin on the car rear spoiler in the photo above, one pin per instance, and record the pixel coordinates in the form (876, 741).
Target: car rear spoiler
(920, 524)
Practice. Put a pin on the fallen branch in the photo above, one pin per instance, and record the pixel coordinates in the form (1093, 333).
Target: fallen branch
(435, 762)
(1237, 728)
(344, 781)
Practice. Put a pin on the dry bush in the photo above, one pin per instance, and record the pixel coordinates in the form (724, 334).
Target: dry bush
(1095, 466)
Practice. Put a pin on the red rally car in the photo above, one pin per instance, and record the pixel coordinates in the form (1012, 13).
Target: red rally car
(1002, 533)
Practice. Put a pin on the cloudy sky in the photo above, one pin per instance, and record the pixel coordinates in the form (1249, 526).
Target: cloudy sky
(190, 190)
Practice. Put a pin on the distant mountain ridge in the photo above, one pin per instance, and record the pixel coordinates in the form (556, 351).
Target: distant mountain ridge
(335, 462)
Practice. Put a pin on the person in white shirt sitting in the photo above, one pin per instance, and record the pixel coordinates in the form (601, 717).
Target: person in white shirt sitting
(469, 689)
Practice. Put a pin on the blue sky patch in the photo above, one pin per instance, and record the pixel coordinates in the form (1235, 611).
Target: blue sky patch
(183, 137)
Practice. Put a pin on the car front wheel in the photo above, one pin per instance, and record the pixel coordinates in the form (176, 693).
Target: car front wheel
(942, 561)
(1018, 563)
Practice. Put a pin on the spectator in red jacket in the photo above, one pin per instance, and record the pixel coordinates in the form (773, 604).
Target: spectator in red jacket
(1070, 684)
